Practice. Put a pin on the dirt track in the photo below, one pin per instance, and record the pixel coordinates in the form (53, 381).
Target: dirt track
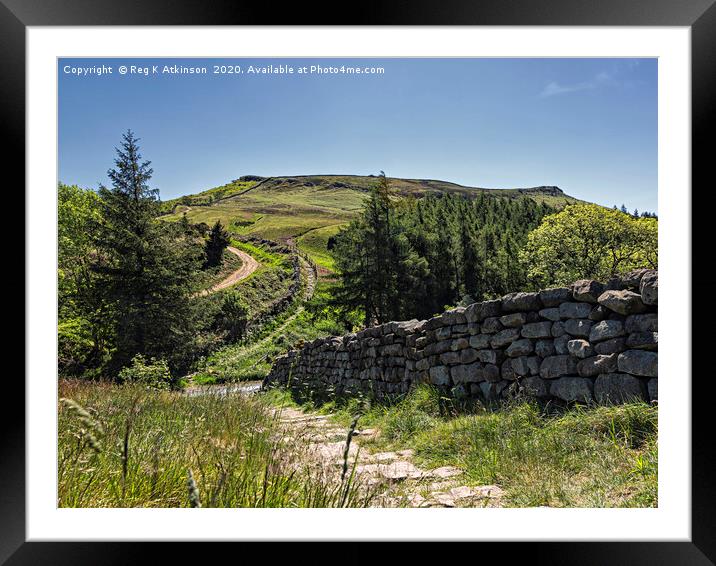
(248, 266)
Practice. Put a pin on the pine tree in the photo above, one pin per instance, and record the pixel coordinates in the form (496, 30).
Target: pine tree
(185, 225)
(216, 244)
(151, 266)
(406, 258)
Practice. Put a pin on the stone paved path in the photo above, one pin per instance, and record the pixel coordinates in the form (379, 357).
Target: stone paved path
(393, 476)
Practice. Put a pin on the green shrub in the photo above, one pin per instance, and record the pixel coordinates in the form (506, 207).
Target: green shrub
(153, 373)
(74, 344)
(233, 316)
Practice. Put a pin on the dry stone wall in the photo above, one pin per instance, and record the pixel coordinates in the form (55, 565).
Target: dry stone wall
(591, 342)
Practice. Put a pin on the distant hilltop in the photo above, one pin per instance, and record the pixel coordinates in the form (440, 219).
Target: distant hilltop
(416, 187)
(345, 192)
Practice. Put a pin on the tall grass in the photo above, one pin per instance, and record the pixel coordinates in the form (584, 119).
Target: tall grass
(132, 447)
(582, 458)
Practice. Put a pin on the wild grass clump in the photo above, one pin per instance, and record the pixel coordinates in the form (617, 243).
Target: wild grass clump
(128, 446)
(581, 457)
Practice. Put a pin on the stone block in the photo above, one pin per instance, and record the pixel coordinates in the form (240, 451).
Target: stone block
(513, 320)
(480, 341)
(537, 330)
(574, 310)
(520, 347)
(491, 325)
(468, 373)
(587, 290)
(551, 313)
(443, 333)
(440, 375)
(515, 302)
(504, 337)
(606, 329)
(649, 288)
(578, 327)
(571, 389)
(477, 312)
(450, 358)
(556, 366)
(639, 362)
(614, 345)
(491, 372)
(490, 356)
(643, 340)
(555, 296)
(580, 348)
(617, 388)
(595, 365)
(599, 313)
(623, 302)
(535, 387)
(648, 322)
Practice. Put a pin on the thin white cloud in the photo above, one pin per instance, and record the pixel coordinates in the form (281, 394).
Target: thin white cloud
(599, 80)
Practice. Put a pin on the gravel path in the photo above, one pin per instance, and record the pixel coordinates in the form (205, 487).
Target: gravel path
(248, 266)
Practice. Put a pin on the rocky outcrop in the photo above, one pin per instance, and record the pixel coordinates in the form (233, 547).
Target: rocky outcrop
(591, 343)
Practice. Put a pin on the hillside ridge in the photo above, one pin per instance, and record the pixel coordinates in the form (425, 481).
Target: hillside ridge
(307, 210)
(545, 189)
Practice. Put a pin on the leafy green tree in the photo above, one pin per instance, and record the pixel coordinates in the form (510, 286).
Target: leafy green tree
(83, 333)
(216, 244)
(150, 270)
(588, 241)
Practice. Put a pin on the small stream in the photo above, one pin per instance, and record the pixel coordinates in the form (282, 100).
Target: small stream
(243, 388)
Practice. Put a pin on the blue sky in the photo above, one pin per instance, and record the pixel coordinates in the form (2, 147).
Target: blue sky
(588, 126)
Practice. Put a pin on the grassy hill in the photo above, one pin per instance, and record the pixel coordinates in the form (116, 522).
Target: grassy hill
(307, 210)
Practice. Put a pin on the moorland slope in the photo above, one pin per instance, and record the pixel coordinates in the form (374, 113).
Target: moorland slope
(307, 210)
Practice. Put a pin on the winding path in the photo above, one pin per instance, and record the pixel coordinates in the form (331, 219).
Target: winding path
(248, 266)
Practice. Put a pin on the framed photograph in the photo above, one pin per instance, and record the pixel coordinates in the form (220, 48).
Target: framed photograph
(393, 279)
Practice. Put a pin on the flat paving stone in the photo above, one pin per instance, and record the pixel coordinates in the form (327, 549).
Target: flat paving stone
(400, 470)
(445, 472)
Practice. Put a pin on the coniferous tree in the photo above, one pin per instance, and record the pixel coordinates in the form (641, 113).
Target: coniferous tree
(150, 266)
(216, 244)
(402, 259)
(378, 266)
(185, 225)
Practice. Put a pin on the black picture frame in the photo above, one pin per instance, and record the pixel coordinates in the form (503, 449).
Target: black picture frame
(699, 15)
